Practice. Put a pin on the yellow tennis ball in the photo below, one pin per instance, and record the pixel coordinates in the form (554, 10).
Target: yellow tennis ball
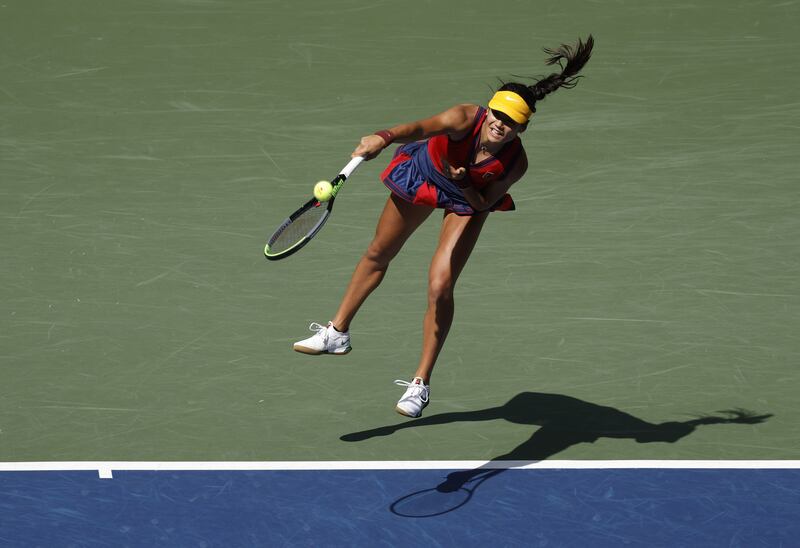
(323, 191)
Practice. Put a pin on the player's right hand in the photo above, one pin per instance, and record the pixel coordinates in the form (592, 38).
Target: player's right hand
(369, 147)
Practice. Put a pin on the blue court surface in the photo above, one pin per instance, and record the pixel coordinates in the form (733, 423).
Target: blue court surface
(530, 507)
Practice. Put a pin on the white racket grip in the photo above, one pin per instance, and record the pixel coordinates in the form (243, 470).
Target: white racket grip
(351, 166)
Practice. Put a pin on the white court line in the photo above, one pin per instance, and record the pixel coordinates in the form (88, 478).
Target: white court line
(105, 469)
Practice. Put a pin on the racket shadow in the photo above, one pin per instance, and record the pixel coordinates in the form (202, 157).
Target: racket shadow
(562, 422)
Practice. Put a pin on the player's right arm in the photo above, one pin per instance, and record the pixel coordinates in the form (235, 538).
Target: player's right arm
(453, 121)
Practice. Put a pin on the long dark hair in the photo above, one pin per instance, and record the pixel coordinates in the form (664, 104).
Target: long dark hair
(571, 59)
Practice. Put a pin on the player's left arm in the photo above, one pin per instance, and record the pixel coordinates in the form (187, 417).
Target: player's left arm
(481, 200)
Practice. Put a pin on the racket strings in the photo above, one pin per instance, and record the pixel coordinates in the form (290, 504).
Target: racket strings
(295, 230)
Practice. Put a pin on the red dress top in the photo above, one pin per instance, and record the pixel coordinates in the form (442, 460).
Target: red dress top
(441, 148)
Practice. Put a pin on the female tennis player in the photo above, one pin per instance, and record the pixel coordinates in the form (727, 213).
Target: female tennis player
(463, 161)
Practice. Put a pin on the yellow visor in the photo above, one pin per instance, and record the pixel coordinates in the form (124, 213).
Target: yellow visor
(512, 105)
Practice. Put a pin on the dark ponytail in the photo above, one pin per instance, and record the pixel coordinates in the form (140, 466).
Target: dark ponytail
(571, 59)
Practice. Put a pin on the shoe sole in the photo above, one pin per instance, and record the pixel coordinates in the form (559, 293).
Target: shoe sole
(312, 352)
(406, 414)
(402, 412)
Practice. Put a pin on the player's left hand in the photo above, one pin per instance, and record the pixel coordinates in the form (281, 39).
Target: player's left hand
(454, 173)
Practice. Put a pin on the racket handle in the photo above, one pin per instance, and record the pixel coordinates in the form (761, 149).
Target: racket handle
(351, 166)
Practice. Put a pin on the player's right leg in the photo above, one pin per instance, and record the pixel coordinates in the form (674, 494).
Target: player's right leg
(397, 222)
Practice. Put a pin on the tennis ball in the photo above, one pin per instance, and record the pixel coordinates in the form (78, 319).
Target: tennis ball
(323, 191)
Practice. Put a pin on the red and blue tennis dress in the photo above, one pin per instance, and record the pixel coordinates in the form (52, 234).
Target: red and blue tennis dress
(417, 172)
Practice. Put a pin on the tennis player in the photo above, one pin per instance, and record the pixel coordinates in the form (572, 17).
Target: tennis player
(463, 161)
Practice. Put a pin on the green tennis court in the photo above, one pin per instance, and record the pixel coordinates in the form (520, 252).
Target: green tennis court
(148, 148)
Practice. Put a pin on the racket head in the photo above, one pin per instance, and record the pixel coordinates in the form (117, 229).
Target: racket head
(302, 225)
(298, 229)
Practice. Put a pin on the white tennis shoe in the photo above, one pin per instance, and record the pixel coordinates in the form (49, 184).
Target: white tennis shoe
(326, 340)
(415, 399)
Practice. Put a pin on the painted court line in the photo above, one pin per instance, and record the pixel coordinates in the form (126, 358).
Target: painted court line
(105, 469)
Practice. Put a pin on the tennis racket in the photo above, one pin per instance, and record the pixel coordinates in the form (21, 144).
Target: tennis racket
(303, 224)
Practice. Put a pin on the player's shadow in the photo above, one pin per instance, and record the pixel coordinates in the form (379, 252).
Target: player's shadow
(563, 421)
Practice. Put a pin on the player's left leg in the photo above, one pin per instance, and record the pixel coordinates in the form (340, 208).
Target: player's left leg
(456, 241)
